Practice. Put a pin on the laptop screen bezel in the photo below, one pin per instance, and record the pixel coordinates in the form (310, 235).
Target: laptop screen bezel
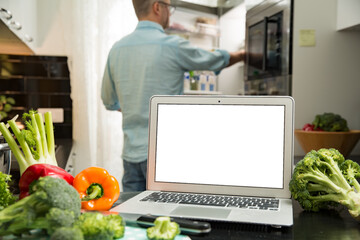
(285, 101)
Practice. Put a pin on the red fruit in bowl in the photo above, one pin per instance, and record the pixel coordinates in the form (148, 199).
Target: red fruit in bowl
(308, 127)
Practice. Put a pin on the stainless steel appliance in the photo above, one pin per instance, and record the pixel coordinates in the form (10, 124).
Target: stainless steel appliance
(269, 48)
(5, 156)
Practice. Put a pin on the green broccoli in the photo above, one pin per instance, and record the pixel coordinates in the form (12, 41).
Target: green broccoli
(54, 219)
(47, 193)
(6, 197)
(163, 229)
(323, 179)
(96, 226)
(116, 223)
(67, 233)
(330, 122)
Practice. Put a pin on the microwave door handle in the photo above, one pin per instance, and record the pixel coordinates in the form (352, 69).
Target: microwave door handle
(266, 21)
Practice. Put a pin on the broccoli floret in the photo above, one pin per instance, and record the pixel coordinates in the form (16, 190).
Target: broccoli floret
(323, 179)
(67, 233)
(54, 219)
(351, 171)
(96, 226)
(163, 229)
(116, 223)
(47, 193)
(59, 194)
(330, 122)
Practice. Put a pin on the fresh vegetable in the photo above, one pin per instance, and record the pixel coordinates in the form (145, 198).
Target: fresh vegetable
(46, 194)
(67, 233)
(6, 197)
(163, 229)
(54, 219)
(35, 171)
(37, 141)
(96, 226)
(308, 127)
(324, 179)
(330, 122)
(5, 106)
(97, 188)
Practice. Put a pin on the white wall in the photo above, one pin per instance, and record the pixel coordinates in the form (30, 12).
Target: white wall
(326, 77)
(50, 29)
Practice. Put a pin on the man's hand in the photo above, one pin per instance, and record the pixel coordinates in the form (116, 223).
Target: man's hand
(236, 57)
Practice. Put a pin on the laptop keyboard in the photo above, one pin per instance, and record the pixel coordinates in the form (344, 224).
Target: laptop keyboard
(214, 200)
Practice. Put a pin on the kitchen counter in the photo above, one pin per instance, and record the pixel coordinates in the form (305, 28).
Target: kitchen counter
(327, 225)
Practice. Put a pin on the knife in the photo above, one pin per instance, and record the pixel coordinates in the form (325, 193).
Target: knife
(187, 226)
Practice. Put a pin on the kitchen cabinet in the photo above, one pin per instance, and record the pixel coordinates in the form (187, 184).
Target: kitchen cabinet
(348, 17)
(38, 82)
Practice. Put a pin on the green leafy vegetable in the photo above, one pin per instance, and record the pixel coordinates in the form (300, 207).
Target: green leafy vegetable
(163, 229)
(96, 226)
(53, 203)
(5, 106)
(67, 233)
(330, 122)
(36, 141)
(323, 179)
(6, 197)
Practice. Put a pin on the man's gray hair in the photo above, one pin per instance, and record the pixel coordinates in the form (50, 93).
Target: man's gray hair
(142, 7)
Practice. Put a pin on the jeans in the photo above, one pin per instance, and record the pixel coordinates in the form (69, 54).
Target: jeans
(134, 178)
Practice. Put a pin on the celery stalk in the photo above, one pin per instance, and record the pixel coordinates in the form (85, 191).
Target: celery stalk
(24, 146)
(13, 145)
(50, 135)
(43, 151)
(38, 135)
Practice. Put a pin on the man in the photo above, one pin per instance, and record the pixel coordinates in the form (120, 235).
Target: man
(145, 63)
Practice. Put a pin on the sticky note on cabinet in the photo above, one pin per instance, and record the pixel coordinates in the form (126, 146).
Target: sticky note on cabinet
(307, 38)
(57, 114)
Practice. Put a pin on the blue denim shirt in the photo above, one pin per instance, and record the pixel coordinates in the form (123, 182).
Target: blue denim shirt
(149, 62)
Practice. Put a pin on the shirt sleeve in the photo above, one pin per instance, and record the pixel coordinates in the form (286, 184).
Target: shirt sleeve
(194, 58)
(108, 90)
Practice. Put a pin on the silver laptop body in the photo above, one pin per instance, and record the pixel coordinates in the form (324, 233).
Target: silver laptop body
(239, 146)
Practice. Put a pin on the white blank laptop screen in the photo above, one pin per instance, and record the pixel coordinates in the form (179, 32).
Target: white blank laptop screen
(231, 145)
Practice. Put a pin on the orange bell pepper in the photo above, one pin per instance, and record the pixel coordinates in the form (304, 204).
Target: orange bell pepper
(98, 190)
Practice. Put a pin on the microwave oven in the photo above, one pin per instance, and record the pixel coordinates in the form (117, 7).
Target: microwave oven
(268, 44)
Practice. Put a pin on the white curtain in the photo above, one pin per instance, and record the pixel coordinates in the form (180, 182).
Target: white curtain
(91, 28)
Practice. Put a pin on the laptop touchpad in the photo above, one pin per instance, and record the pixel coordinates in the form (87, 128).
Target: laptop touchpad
(201, 212)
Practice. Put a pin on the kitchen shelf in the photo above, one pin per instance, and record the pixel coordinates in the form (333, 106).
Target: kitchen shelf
(34, 93)
(199, 92)
(201, 29)
(38, 82)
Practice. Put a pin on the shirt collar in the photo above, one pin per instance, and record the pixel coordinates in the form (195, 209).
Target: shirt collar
(149, 24)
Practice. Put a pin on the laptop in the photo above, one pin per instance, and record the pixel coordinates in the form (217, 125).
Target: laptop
(236, 152)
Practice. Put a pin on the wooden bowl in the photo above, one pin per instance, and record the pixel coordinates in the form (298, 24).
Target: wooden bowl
(314, 140)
